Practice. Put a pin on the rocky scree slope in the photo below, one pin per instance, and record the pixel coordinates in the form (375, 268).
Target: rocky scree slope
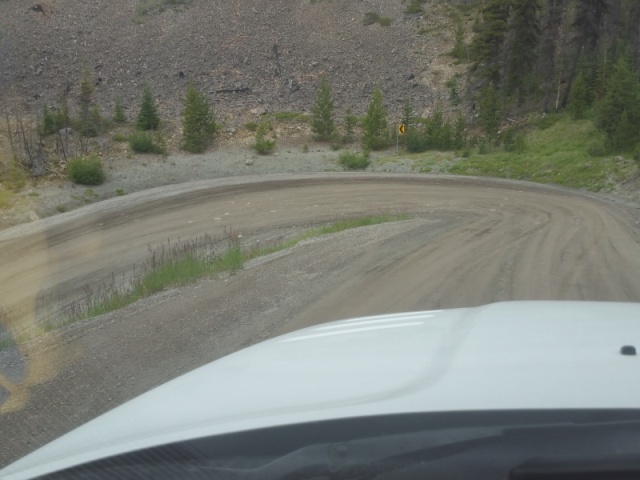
(246, 54)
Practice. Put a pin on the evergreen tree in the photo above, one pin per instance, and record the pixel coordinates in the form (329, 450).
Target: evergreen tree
(47, 126)
(623, 94)
(490, 112)
(579, 98)
(118, 112)
(627, 133)
(350, 122)
(435, 129)
(524, 50)
(549, 45)
(87, 124)
(458, 131)
(148, 118)
(375, 124)
(407, 114)
(487, 46)
(322, 122)
(263, 144)
(198, 123)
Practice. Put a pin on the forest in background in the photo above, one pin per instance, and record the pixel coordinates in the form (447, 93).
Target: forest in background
(550, 55)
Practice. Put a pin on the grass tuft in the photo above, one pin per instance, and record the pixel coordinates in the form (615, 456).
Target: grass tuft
(561, 151)
(183, 263)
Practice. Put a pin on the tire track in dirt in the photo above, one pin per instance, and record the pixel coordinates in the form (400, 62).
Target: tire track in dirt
(472, 242)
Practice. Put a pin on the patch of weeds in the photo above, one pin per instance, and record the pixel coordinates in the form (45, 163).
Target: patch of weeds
(120, 138)
(61, 208)
(562, 155)
(185, 262)
(289, 117)
(354, 161)
(305, 148)
(12, 176)
(86, 170)
(145, 142)
(34, 194)
(251, 126)
(120, 192)
(373, 17)
(90, 193)
(5, 198)
(415, 7)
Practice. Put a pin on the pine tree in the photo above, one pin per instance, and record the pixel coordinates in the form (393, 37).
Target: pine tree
(490, 112)
(118, 112)
(47, 126)
(458, 131)
(435, 129)
(487, 46)
(408, 114)
(198, 123)
(148, 118)
(627, 133)
(350, 122)
(375, 124)
(524, 50)
(263, 144)
(623, 94)
(579, 98)
(322, 122)
(86, 121)
(549, 45)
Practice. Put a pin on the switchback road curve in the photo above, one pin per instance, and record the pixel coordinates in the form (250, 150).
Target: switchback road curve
(470, 241)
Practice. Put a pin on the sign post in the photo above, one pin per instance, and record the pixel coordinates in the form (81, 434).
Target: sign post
(402, 128)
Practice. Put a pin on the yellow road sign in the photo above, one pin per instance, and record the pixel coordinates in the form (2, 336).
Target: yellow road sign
(402, 128)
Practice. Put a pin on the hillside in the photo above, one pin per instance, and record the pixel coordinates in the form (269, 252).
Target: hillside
(244, 53)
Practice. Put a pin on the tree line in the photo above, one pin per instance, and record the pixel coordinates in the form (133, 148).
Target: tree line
(582, 55)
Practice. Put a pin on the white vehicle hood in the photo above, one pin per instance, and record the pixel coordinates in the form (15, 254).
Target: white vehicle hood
(503, 356)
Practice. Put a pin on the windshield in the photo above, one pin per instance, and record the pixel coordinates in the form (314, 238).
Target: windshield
(180, 180)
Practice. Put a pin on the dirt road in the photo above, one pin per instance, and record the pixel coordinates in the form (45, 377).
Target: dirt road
(469, 242)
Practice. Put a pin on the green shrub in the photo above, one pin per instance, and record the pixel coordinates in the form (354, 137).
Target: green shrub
(86, 170)
(513, 140)
(373, 17)
(414, 7)
(636, 154)
(484, 146)
(120, 138)
(251, 126)
(144, 142)
(264, 145)
(596, 148)
(354, 161)
(416, 140)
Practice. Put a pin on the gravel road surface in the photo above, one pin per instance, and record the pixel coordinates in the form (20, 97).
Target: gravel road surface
(469, 242)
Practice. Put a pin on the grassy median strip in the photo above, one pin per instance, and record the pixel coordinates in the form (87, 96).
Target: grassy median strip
(185, 263)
